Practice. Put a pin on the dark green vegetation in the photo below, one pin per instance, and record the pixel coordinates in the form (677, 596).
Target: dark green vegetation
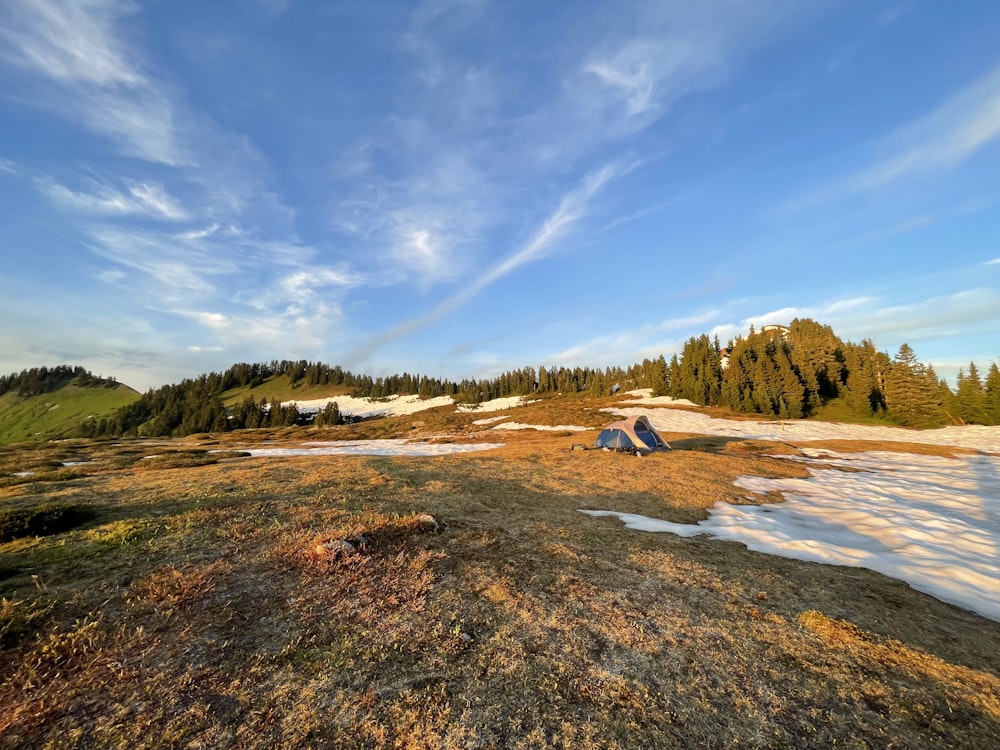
(42, 520)
(807, 370)
(39, 380)
(804, 370)
(214, 605)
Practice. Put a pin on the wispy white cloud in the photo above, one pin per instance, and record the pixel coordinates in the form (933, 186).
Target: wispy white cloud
(96, 79)
(247, 293)
(650, 74)
(426, 228)
(570, 211)
(243, 253)
(640, 214)
(422, 250)
(305, 282)
(306, 294)
(8, 166)
(474, 138)
(636, 342)
(166, 273)
(176, 272)
(199, 234)
(946, 137)
(72, 41)
(291, 332)
(958, 313)
(887, 321)
(940, 140)
(141, 122)
(147, 199)
(644, 58)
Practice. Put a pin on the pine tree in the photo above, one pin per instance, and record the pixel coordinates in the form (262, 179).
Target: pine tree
(970, 397)
(660, 381)
(993, 394)
(699, 373)
(863, 378)
(329, 415)
(913, 398)
(818, 357)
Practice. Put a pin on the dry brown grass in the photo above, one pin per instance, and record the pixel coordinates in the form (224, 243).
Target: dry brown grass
(200, 608)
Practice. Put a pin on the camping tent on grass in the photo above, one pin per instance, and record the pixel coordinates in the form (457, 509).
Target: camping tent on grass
(632, 434)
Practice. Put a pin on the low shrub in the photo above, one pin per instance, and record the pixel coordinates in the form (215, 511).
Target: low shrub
(44, 520)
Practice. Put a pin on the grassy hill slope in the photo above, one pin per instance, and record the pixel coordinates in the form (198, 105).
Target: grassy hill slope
(58, 413)
(280, 387)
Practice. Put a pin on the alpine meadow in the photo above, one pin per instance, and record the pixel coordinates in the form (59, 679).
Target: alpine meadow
(288, 554)
(474, 375)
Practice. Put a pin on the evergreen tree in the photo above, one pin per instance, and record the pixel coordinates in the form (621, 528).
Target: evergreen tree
(863, 378)
(329, 415)
(993, 394)
(818, 357)
(699, 373)
(970, 397)
(660, 377)
(913, 399)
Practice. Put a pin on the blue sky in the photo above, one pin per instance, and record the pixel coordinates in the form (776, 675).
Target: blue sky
(459, 187)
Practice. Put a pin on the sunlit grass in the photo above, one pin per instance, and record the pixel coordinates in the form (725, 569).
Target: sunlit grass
(211, 601)
(57, 414)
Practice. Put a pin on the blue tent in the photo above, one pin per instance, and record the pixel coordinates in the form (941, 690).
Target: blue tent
(632, 434)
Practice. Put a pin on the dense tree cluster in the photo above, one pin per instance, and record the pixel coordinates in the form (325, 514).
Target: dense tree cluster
(792, 372)
(976, 401)
(193, 405)
(785, 372)
(196, 405)
(39, 380)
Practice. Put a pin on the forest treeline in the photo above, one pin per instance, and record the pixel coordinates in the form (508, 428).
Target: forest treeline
(196, 404)
(786, 372)
(792, 372)
(39, 380)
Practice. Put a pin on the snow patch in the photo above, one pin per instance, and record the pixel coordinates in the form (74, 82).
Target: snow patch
(393, 406)
(394, 447)
(497, 404)
(975, 437)
(646, 398)
(931, 521)
(398, 406)
(490, 420)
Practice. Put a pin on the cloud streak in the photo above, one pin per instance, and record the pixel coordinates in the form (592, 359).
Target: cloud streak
(966, 312)
(649, 75)
(941, 140)
(71, 41)
(147, 199)
(946, 137)
(97, 79)
(571, 210)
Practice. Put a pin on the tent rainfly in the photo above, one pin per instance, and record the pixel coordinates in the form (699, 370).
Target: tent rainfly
(632, 434)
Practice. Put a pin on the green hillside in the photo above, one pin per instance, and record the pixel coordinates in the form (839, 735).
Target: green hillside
(58, 413)
(282, 388)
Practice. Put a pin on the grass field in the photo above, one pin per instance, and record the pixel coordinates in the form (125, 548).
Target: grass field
(206, 600)
(59, 413)
(280, 387)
